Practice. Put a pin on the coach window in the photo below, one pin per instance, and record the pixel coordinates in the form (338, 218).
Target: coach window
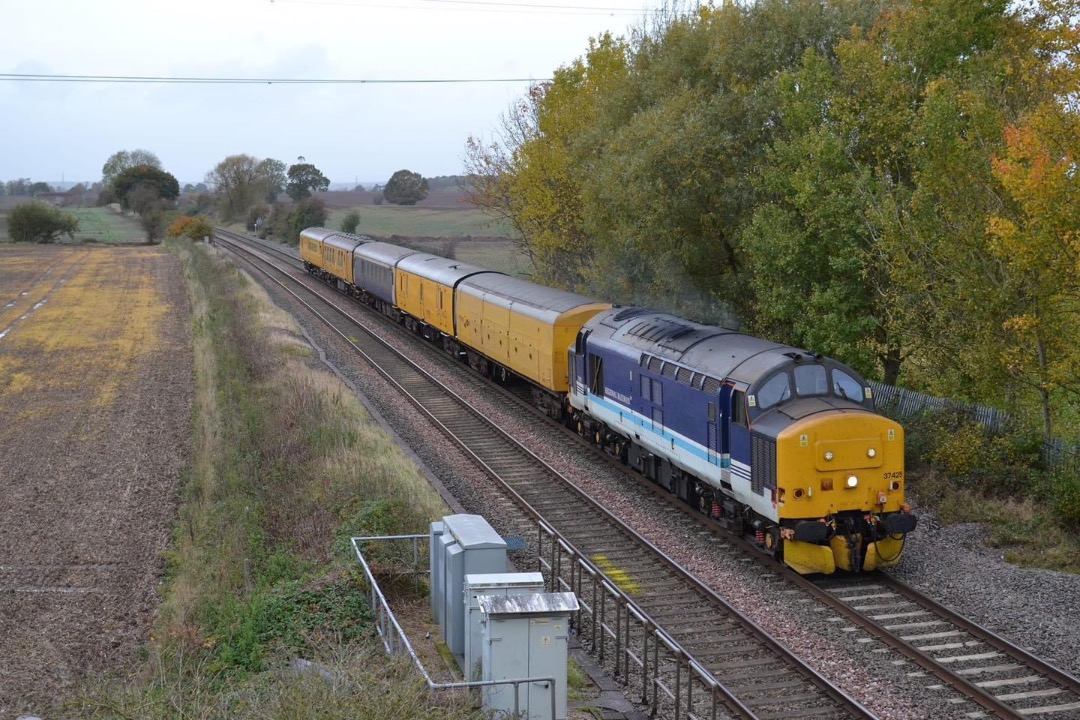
(846, 386)
(776, 390)
(810, 380)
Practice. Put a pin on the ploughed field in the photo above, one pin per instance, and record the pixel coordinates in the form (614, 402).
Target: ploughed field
(96, 388)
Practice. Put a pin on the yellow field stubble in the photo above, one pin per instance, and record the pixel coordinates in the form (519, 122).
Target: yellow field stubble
(76, 350)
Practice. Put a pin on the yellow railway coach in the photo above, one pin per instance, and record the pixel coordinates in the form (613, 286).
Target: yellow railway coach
(330, 252)
(527, 328)
(424, 289)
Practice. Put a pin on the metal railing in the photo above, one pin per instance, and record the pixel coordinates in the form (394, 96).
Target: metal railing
(627, 642)
(395, 640)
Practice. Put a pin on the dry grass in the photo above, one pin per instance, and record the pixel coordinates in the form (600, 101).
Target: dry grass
(287, 466)
(74, 326)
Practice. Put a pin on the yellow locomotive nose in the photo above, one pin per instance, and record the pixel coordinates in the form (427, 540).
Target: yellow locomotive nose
(840, 475)
(840, 461)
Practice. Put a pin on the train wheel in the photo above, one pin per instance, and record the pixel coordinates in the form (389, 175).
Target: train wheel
(773, 543)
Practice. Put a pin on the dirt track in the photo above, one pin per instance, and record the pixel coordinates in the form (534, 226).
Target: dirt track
(95, 399)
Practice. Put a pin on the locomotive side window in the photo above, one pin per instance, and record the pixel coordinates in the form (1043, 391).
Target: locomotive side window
(738, 408)
(846, 386)
(596, 375)
(811, 380)
(776, 390)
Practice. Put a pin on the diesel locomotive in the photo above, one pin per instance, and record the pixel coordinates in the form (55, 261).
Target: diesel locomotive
(776, 442)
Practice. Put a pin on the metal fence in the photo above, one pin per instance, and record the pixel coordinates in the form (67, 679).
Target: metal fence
(393, 637)
(906, 404)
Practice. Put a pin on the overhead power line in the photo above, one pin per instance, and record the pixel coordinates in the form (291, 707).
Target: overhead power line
(41, 77)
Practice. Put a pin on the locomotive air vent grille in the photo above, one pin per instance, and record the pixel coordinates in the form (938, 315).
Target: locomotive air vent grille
(683, 376)
(711, 386)
(762, 463)
(669, 370)
(655, 363)
(643, 361)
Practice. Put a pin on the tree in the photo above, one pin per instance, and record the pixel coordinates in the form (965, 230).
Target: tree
(1039, 251)
(124, 160)
(309, 212)
(18, 187)
(236, 182)
(152, 218)
(405, 188)
(40, 187)
(350, 222)
(271, 175)
(305, 178)
(149, 180)
(41, 223)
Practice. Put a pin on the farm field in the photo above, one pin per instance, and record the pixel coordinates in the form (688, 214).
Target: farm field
(95, 399)
(103, 225)
(419, 221)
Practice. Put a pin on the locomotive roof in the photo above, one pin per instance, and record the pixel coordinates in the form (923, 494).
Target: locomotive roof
(439, 269)
(716, 351)
(384, 253)
(535, 300)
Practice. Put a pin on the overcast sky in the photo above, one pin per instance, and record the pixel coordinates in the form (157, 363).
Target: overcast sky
(64, 130)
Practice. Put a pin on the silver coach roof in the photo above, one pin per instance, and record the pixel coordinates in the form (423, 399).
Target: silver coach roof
(384, 253)
(536, 301)
(716, 351)
(440, 269)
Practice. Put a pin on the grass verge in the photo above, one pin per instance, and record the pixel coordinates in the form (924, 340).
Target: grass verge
(265, 613)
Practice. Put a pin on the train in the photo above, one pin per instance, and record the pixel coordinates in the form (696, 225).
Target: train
(778, 443)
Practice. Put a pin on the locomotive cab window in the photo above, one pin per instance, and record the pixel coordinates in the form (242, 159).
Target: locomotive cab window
(776, 390)
(846, 386)
(810, 380)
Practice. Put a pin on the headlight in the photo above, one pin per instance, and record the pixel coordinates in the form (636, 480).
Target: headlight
(828, 455)
(852, 481)
(871, 453)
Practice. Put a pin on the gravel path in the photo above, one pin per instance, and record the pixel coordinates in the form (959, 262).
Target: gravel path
(1039, 610)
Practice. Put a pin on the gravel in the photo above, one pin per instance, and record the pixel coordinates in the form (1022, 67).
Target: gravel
(1038, 610)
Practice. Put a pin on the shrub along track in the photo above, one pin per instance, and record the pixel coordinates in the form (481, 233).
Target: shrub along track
(753, 676)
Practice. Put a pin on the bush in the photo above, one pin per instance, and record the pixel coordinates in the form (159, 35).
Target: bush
(41, 223)
(350, 222)
(377, 199)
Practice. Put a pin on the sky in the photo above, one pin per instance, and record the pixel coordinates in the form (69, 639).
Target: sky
(53, 131)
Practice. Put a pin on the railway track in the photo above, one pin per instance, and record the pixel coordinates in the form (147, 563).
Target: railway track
(992, 677)
(749, 674)
(954, 652)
